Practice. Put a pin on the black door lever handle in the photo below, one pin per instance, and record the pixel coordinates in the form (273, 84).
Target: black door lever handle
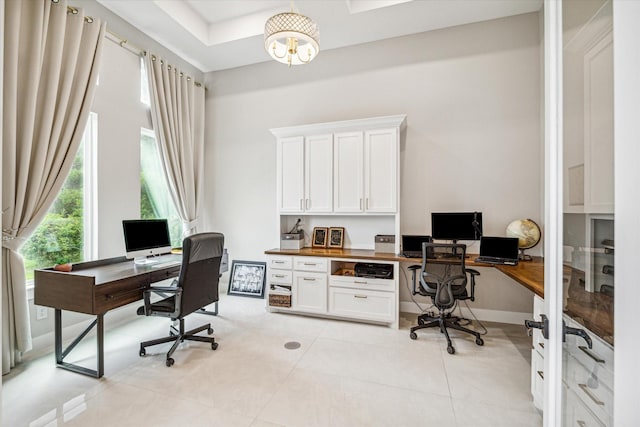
(543, 325)
(576, 331)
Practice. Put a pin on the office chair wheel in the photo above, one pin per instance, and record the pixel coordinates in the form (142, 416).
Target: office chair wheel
(210, 331)
(450, 349)
(143, 352)
(214, 345)
(170, 362)
(413, 336)
(479, 341)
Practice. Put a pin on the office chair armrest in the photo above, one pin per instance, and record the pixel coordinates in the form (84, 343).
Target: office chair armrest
(472, 274)
(414, 268)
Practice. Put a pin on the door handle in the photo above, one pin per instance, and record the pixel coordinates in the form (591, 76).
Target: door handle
(566, 330)
(543, 325)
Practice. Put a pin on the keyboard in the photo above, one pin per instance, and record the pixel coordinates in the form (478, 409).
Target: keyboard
(493, 260)
(165, 264)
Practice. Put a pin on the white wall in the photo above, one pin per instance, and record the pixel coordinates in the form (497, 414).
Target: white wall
(472, 98)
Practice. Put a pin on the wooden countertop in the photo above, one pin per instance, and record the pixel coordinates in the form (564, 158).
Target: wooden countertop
(529, 274)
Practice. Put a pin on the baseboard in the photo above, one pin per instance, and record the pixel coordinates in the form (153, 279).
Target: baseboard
(512, 317)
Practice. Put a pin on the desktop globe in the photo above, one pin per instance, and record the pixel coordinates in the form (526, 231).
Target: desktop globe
(528, 234)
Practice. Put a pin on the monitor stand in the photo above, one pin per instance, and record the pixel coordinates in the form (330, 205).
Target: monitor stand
(144, 261)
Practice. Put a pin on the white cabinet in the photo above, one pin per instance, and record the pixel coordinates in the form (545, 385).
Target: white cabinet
(309, 292)
(366, 171)
(348, 192)
(305, 174)
(329, 287)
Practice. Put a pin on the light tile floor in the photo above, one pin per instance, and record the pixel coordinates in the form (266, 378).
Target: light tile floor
(343, 374)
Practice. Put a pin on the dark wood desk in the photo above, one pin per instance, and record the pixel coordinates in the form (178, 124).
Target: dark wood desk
(94, 288)
(529, 274)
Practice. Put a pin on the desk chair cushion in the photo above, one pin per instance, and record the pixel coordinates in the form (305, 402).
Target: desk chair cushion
(166, 305)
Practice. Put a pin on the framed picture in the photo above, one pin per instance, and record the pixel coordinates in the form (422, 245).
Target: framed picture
(336, 237)
(247, 278)
(319, 238)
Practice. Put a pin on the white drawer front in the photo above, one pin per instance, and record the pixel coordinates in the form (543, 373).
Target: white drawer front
(537, 379)
(598, 359)
(591, 391)
(282, 277)
(359, 304)
(577, 414)
(310, 264)
(363, 283)
(281, 262)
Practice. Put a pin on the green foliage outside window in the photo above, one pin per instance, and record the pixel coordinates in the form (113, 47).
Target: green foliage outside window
(59, 237)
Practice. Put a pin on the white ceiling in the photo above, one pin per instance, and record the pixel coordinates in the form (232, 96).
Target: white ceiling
(219, 34)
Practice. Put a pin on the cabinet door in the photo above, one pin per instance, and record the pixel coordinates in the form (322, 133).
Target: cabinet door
(348, 193)
(319, 173)
(309, 292)
(290, 174)
(381, 170)
(598, 122)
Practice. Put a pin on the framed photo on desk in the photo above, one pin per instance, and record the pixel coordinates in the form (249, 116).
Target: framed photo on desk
(319, 238)
(247, 278)
(336, 237)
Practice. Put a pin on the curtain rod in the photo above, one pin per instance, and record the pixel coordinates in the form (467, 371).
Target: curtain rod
(124, 43)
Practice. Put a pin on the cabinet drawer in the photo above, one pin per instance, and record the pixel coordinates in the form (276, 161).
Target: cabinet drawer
(598, 359)
(364, 283)
(281, 262)
(537, 379)
(310, 264)
(283, 277)
(590, 389)
(577, 414)
(359, 304)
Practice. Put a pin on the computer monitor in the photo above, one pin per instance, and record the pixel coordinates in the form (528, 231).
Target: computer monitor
(456, 225)
(146, 237)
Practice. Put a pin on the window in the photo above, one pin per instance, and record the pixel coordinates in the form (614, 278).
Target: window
(65, 234)
(155, 201)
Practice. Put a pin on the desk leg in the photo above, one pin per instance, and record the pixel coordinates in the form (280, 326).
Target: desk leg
(58, 334)
(61, 354)
(100, 319)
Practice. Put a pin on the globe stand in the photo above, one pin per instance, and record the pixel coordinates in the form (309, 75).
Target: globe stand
(523, 256)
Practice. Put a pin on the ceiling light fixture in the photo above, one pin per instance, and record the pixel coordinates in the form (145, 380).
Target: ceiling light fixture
(291, 38)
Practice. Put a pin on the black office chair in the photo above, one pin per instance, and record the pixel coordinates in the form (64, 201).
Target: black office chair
(195, 287)
(443, 277)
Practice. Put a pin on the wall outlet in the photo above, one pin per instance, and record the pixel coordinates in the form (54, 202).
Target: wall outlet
(41, 313)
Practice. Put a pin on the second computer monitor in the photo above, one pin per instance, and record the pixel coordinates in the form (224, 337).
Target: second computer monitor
(456, 225)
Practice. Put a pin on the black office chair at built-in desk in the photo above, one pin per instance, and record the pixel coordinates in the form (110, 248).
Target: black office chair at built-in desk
(444, 278)
(195, 287)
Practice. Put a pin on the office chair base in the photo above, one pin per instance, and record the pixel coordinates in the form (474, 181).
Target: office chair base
(177, 336)
(444, 321)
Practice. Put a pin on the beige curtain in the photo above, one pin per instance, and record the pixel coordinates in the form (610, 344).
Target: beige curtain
(51, 60)
(177, 114)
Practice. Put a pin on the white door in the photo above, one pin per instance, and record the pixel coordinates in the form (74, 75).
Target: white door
(381, 170)
(348, 195)
(290, 174)
(319, 173)
(578, 386)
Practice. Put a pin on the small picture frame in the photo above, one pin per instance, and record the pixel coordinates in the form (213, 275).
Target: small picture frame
(319, 238)
(336, 237)
(247, 278)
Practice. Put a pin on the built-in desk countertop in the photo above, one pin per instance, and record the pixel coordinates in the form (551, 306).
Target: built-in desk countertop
(529, 274)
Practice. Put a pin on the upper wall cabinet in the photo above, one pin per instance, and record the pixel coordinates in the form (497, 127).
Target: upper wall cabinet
(588, 115)
(305, 174)
(340, 167)
(366, 171)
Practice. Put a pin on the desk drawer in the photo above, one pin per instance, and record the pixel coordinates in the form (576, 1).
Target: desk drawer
(158, 276)
(365, 283)
(281, 262)
(119, 293)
